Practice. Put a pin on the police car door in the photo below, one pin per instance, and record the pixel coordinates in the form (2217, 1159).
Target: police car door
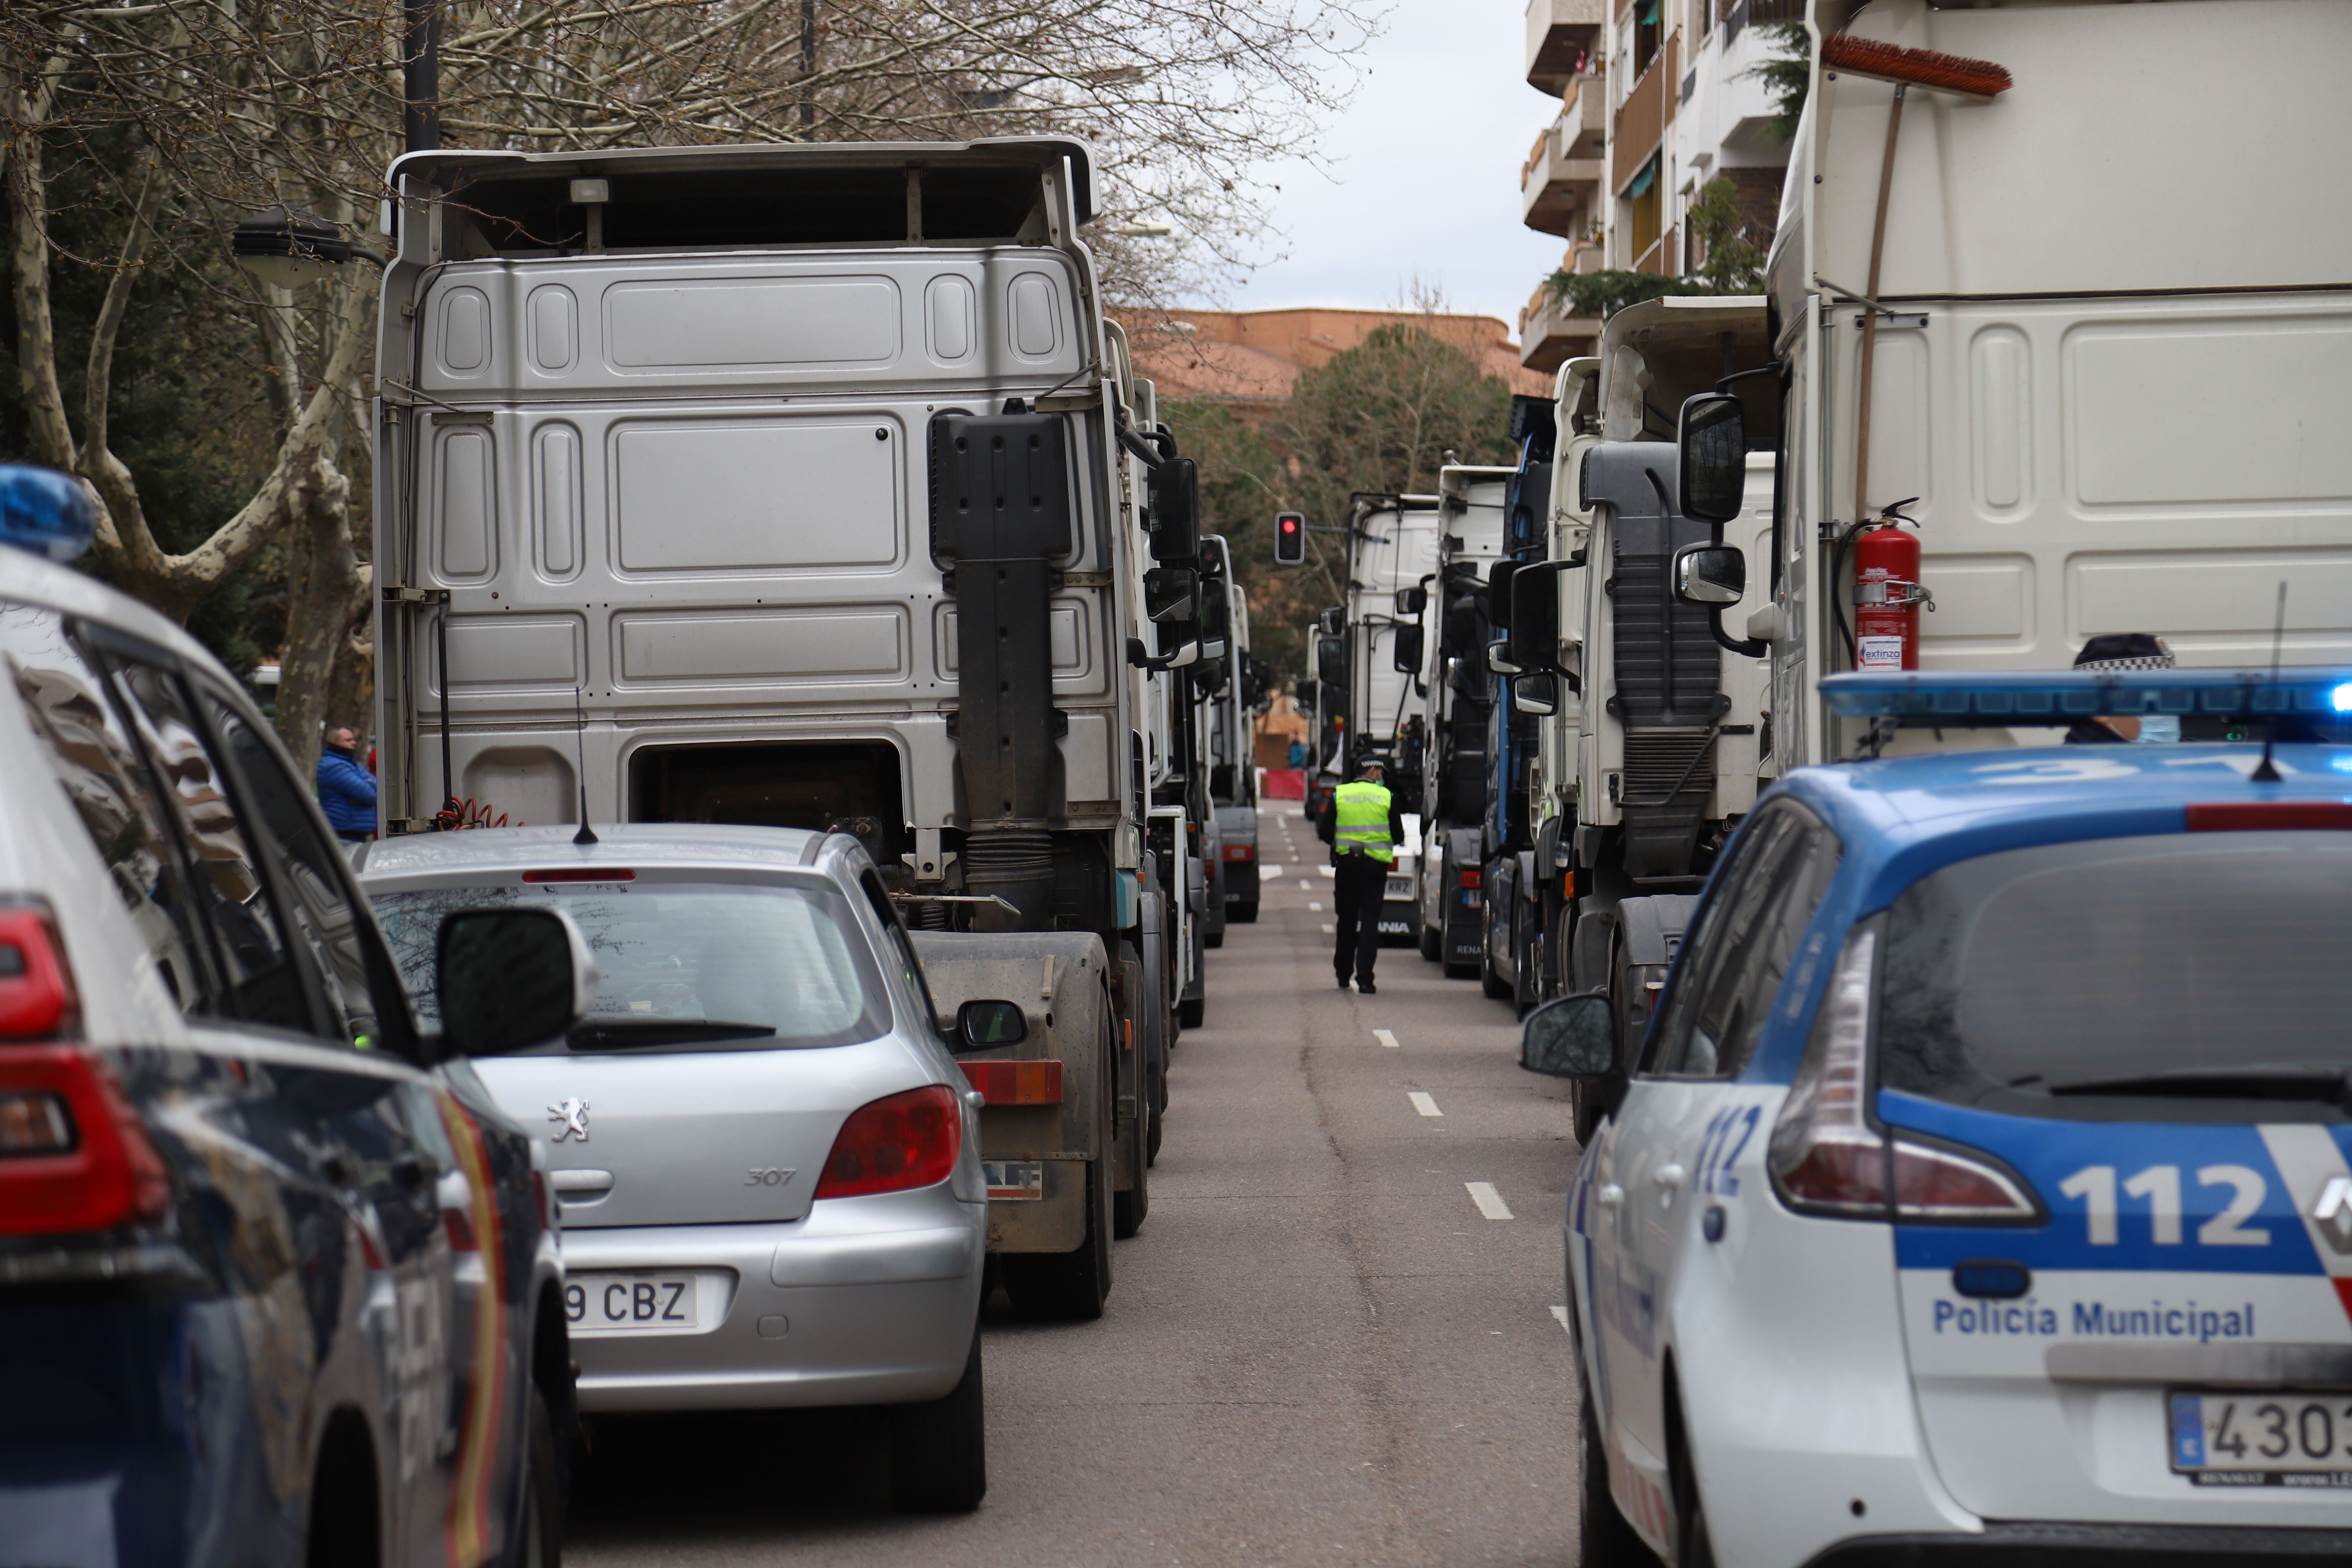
(1687, 1122)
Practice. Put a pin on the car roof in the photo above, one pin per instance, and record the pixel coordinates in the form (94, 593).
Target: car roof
(1899, 817)
(669, 845)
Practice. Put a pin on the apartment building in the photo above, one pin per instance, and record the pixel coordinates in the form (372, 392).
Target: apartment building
(1654, 98)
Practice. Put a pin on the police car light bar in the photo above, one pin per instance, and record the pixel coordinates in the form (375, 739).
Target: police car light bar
(1958, 699)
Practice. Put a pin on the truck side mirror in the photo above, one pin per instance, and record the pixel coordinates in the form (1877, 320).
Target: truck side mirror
(1711, 452)
(1175, 489)
(511, 978)
(1172, 594)
(1406, 656)
(1412, 601)
(1535, 619)
(1331, 661)
(1499, 658)
(1498, 593)
(1710, 576)
(1535, 694)
(1302, 692)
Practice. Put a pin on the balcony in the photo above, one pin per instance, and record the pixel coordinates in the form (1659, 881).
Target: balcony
(1548, 338)
(1560, 33)
(1561, 176)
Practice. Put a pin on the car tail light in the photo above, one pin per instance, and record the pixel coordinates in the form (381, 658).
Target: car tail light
(2255, 816)
(1244, 852)
(38, 999)
(1470, 876)
(1827, 1159)
(73, 1155)
(909, 1139)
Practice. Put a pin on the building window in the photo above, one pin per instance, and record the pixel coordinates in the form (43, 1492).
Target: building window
(1646, 35)
(1645, 195)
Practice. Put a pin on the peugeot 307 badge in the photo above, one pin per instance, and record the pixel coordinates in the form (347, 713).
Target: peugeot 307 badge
(572, 1116)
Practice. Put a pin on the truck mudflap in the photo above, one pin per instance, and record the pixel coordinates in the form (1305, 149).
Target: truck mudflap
(1047, 1133)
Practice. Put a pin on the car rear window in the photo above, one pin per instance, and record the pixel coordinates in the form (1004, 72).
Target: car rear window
(2163, 978)
(678, 962)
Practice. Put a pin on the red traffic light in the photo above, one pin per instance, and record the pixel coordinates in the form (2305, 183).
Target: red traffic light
(1290, 538)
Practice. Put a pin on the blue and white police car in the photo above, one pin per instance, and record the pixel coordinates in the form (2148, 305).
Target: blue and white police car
(1983, 1188)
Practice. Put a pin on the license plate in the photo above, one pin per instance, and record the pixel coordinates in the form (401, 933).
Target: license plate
(2263, 1439)
(1015, 1181)
(632, 1303)
(1399, 889)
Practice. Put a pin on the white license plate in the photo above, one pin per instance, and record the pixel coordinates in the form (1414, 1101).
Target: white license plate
(1400, 889)
(1015, 1181)
(640, 1303)
(2262, 1439)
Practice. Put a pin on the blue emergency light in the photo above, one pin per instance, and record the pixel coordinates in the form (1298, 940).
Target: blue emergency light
(1958, 700)
(45, 512)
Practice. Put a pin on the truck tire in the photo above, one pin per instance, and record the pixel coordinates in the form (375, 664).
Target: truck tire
(1068, 1285)
(1245, 913)
(1495, 986)
(1128, 1208)
(939, 1450)
(1158, 1121)
(1191, 1011)
(1433, 945)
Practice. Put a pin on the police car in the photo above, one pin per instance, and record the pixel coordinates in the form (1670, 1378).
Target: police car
(1983, 1188)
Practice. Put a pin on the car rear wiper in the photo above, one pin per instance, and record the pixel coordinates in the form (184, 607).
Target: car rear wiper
(2296, 1082)
(621, 1034)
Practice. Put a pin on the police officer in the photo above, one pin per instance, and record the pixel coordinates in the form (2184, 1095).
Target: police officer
(1363, 825)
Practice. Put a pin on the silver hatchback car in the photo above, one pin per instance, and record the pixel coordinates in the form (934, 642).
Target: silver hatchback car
(767, 1157)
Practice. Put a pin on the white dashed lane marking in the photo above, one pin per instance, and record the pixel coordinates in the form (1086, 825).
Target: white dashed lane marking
(1269, 871)
(1314, 908)
(1329, 930)
(1304, 886)
(1428, 1107)
(1490, 1202)
(1329, 870)
(1385, 1038)
(1561, 1313)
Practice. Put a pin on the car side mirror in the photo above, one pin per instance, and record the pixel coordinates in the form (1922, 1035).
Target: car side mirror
(983, 1024)
(1711, 457)
(1499, 658)
(1412, 601)
(1535, 694)
(1535, 619)
(1575, 1038)
(1175, 488)
(1710, 576)
(1406, 656)
(511, 978)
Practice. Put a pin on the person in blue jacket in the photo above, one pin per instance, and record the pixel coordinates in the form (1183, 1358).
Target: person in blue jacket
(346, 789)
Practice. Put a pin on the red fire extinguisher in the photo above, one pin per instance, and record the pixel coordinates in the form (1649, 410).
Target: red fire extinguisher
(1887, 596)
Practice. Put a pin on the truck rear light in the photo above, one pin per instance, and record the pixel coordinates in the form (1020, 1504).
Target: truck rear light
(1016, 1083)
(38, 999)
(1825, 1158)
(73, 1155)
(1241, 852)
(1470, 876)
(905, 1141)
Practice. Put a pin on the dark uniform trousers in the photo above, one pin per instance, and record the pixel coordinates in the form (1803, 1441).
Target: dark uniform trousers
(1359, 882)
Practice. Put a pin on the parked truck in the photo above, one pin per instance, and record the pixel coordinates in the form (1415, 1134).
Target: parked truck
(1234, 691)
(2082, 439)
(806, 486)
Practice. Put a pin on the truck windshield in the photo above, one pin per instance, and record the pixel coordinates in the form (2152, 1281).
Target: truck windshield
(2178, 977)
(680, 966)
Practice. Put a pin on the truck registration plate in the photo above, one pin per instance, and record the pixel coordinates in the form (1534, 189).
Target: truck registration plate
(1015, 1181)
(2257, 1438)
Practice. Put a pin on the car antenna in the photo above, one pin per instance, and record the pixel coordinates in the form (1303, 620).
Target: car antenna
(2266, 773)
(586, 835)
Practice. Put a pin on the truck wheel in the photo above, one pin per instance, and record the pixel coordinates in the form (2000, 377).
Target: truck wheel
(1192, 1010)
(1495, 987)
(939, 1450)
(1241, 914)
(1215, 939)
(1433, 944)
(1128, 1208)
(1154, 1127)
(1585, 1107)
(1069, 1285)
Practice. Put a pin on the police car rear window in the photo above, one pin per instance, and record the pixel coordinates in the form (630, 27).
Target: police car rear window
(2177, 977)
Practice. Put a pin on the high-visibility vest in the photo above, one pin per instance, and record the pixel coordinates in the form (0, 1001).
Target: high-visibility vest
(1360, 820)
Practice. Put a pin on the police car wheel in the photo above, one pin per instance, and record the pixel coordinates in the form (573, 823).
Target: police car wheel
(1694, 1547)
(1603, 1538)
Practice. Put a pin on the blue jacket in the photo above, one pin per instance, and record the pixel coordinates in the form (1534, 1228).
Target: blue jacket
(347, 791)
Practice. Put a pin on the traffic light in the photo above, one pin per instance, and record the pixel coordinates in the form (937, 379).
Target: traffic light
(1290, 538)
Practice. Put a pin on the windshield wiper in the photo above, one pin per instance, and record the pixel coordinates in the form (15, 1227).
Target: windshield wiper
(2300, 1081)
(621, 1034)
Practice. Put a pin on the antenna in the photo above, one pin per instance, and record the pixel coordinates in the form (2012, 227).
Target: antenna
(587, 835)
(2266, 773)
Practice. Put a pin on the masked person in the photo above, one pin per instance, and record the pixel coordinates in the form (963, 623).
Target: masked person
(1363, 823)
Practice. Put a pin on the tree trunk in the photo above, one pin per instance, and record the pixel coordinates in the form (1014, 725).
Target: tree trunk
(319, 572)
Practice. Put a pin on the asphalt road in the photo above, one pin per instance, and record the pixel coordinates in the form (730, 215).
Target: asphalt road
(1320, 1349)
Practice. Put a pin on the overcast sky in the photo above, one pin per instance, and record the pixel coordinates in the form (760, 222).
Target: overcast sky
(1424, 174)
